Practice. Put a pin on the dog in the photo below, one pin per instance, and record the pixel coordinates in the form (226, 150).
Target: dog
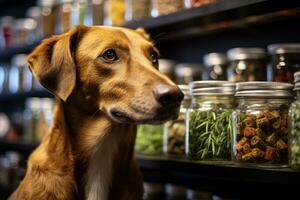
(106, 81)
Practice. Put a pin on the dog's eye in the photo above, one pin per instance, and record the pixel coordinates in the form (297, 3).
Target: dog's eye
(154, 57)
(110, 55)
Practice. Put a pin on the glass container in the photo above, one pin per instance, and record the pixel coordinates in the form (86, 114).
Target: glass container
(163, 7)
(187, 72)
(285, 61)
(63, 21)
(261, 123)
(209, 130)
(149, 139)
(137, 9)
(49, 13)
(216, 66)
(294, 127)
(174, 131)
(114, 12)
(247, 64)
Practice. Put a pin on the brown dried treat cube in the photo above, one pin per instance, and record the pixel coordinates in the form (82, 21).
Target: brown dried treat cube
(257, 142)
(262, 122)
(270, 153)
(268, 115)
(247, 148)
(281, 145)
(276, 124)
(247, 157)
(238, 156)
(260, 133)
(241, 143)
(276, 114)
(249, 121)
(272, 139)
(260, 115)
(285, 120)
(249, 132)
(257, 153)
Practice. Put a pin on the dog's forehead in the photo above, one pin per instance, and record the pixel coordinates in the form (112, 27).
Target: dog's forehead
(115, 34)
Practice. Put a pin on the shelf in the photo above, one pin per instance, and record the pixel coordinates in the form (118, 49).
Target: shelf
(220, 177)
(22, 96)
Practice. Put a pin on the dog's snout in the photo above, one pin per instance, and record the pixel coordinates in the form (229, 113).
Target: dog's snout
(168, 95)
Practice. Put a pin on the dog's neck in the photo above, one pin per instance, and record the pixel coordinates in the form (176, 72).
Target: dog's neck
(99, 146)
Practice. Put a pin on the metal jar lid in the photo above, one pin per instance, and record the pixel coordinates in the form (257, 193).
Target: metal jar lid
(264, 89)
(284, 48)
(215, 59)
(185, 91)
(212, 88)
(246, 53)
(188, 69)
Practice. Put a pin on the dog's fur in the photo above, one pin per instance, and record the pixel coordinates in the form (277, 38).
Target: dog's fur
(88, 152)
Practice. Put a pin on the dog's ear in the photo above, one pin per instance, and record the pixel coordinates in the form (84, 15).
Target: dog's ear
(143, 33)
(52, 62)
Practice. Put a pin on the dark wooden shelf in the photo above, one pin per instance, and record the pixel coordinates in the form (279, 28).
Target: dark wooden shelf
(20, 146)
(221, 177)
(21, 96)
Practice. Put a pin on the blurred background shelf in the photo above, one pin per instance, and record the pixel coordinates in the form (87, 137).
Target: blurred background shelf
(19, 146)
(5, 98)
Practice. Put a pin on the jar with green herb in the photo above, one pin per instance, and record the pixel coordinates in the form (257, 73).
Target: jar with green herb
(260, 123)
(294, 127)
(149, 140)
(174, 131)
(208, 121)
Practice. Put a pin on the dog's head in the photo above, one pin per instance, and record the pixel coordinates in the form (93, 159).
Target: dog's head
(113, 69)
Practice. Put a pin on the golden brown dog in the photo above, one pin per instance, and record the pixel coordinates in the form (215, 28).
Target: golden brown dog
(106, 81)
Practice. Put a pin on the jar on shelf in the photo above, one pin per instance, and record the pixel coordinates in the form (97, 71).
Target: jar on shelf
(4, 76)
(149, 140)
(247, 64)
(114, 12)
(49, 13)
(63, 21)
(175, 192)
(35, 13)
(285, 61)
(209, 129)
(6, 32)
(98, 12)
(24, 31)
(167, 66)
(153, 191)
(260, 123)
(163, 7)
(187, 72)
(216, 66)
(20, 77)
(198, 3)
(294, 127)
(174, 131)
(137, 9)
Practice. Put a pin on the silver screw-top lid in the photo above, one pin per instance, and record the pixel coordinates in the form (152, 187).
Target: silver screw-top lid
(188, 69)
(246, 53)
(34, 12)
(212, 88)
(185, 91)
(284, 48)
(46, 3)
(215, 59)
(264, 89)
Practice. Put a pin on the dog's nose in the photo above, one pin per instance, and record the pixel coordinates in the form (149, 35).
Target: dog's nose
(168, 94)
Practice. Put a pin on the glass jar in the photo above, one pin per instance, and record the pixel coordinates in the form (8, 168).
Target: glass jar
(294, 127)
(6, 25)
(260, 123)
(153, 191)
(163, 7)
(174, 131)
(166, 66)
(49, 12)
(285, 61)
(216, 66)
(209, 131)
(35, 13)
(247, 64)
(20, 77)
(137, 9)
(4, 76)
(63, 21)
(98, 12)
(149, 140)
(24, 31)
(188, 72)
(114, 12)
(175, 192)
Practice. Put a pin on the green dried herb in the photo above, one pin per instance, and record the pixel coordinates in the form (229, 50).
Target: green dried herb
(210, 134)
(294, 128)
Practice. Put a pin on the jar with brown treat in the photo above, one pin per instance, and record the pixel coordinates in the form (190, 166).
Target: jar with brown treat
(285, 61)
(208, 120)
(216, 66)
(247, 64)
(260, 123)
(64, 16)
(163, 7)
(49, 13)
(114, 12)
(174, 131)
(137, 9)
